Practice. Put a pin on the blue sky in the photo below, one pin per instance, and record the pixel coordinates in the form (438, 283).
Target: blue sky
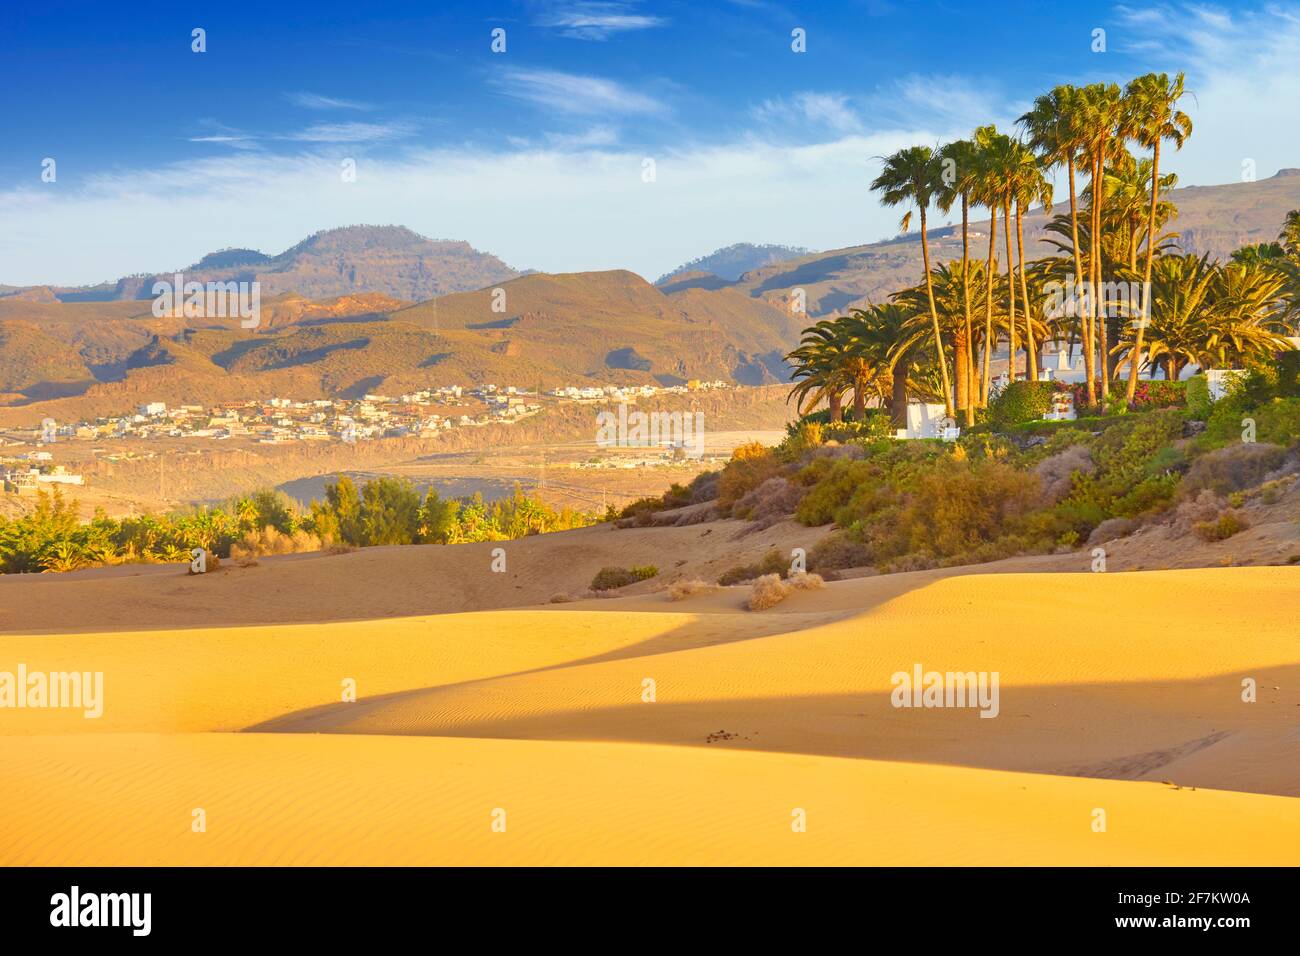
(537, 153)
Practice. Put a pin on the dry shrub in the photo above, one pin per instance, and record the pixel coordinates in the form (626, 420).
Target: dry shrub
(750, 466)
(211, 562)
(562, 598)
(269, 540)
(770, 590)
(837, 551)
(773, 563)
(1234, 468)
(1057, 472)
(1112, 528)
(1224, 526)
(681, 590)
(911, 562)
(771, 501)
(1204, 507)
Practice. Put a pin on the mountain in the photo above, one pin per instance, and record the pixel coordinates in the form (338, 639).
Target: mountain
(389, 260)
(73, 361)
(735, 260)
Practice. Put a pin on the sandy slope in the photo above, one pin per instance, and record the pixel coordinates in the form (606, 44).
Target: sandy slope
(539, 711)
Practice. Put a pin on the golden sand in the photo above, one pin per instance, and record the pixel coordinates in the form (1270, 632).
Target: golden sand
(1119, 693)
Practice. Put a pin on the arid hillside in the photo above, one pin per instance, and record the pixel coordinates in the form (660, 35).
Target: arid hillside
(75, 361)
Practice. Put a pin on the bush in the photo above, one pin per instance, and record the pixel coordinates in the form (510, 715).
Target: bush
(1224, 526)
(1233, 468)
(750, 466)
(772, 563)
(256, 544)
(769, 590)
(1021, 402)
(1196, 392)
(681, 590)
(1158, 394)
(771, 501)
(1288, 374)
(837, 551)
(608, 578)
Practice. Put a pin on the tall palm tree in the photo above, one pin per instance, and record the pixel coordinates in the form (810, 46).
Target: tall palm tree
(914, 176)
(1103, 115)
(1056, 128)
(1030, 186)
(986, 191)
(1156, 118)
(963, 157)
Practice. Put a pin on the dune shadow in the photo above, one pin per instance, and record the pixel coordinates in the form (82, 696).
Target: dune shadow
(1101, 730)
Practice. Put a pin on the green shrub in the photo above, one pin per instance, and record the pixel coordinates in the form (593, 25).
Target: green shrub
(608, 578)
(1288, 374)
(1196, 391)
(1021, 402)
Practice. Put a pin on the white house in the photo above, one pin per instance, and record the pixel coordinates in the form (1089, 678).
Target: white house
(924, 421)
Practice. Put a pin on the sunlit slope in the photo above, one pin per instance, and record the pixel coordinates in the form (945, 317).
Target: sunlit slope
(287, 799)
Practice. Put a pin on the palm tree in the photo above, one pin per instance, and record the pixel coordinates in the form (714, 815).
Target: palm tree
(963, 155)
(819, 373)
(985, 191)
(1030, 186)
(1156, 118)
(914, 175)
(1103, 117)
(1289, 237)
(1057, 129)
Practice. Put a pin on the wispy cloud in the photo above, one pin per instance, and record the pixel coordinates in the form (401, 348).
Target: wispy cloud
(823, 111)
(596, 21)
(1241, 68)
(350, 132)
(572, 93)
(315, 101)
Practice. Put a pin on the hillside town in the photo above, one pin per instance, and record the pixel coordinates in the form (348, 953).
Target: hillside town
(277, 421)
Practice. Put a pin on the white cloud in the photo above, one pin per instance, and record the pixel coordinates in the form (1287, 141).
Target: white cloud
(1243, 81)
(350, 132)
(571, 93)
(315, 101)
(825, 111)
(596, 21)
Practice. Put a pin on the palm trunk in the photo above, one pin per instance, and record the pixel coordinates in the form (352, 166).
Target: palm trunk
(1098, 199)
(1011, 293)
(898, 394)
(961, 358)
(1031, 354)
(934, 317)
(969, 353)
(1135, 360)
(988, 303)
(859, 400)
(1089, 356)
(837, 413)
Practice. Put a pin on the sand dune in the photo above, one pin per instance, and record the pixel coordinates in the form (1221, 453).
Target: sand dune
(1109, 685)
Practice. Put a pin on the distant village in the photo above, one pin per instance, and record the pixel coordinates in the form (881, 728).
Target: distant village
(278, 421)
